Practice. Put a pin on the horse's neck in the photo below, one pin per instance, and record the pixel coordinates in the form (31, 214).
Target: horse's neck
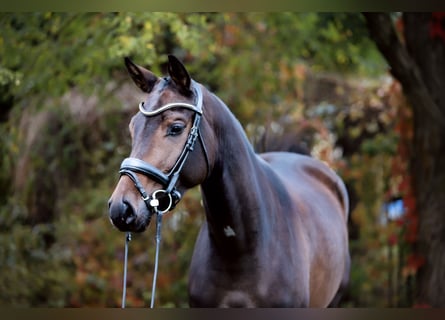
(233, 196)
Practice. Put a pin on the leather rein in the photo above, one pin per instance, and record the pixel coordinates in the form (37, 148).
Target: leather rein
(133, 166)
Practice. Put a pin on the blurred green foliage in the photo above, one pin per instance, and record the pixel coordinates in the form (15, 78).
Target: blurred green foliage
(65, 107)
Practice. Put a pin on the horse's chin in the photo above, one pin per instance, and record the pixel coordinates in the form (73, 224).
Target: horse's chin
(141, 227)
(138, 226)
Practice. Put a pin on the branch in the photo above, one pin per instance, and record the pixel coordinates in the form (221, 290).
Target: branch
(403, 66)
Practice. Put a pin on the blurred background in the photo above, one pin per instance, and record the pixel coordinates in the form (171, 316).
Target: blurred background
(362, 92)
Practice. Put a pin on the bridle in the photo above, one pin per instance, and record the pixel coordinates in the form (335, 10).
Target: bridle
(133, 166)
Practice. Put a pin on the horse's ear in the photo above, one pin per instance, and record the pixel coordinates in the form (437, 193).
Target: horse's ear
(143, 78)
(179, 73)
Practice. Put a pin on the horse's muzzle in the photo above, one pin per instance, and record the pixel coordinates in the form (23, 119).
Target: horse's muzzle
(125, 218)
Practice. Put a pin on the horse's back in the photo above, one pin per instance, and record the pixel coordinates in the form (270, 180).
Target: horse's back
(303, 174)
(321, 207)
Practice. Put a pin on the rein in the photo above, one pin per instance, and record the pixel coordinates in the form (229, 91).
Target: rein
(133, 166)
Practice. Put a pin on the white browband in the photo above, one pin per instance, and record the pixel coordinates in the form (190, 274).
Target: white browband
(196, 108)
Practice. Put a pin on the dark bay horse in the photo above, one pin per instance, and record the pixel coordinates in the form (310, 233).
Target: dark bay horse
(275, 233)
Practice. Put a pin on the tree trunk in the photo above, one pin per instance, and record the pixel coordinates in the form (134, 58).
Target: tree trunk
(418, 63)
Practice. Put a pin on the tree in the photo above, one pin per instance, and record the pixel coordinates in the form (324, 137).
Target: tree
(415, 52)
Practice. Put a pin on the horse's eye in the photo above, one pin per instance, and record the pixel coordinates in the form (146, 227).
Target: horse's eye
(175, 129)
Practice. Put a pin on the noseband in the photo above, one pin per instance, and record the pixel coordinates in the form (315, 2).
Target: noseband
(133, 166)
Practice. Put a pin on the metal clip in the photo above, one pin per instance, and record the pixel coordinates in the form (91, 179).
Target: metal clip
(154, 202)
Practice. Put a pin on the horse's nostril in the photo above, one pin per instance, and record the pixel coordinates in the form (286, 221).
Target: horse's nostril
(122, 214)
(130, 219)
(128, 213)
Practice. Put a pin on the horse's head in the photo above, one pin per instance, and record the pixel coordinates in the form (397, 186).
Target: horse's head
(168, 153)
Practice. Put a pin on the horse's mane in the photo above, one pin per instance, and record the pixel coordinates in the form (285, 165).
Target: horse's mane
(296, 140)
